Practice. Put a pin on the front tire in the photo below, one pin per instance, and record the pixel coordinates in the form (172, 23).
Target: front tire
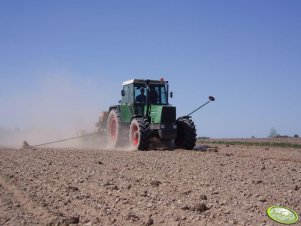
(186, 133)
(139, 134)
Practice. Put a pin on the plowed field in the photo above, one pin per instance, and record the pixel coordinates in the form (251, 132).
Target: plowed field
(224, 186)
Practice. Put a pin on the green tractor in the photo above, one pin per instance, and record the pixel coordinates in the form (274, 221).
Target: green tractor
(144, 119)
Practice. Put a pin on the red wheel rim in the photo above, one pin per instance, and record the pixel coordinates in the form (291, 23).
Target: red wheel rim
(113, 129)
(135, 135)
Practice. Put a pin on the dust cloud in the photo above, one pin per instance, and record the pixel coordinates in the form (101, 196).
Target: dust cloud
(55, 108)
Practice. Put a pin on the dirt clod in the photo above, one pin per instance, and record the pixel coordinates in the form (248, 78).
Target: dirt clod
(203, 197)
(71, 220)
(155, 183)
(73, 188)
(149, 221)
(199, 207)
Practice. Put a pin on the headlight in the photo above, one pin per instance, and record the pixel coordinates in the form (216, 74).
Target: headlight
(162, 126)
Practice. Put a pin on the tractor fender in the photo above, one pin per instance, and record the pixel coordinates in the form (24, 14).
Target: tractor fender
(185, 116)
(117, 107)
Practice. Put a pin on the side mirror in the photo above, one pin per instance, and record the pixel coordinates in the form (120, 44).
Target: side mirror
(122, 93)
(171, 94)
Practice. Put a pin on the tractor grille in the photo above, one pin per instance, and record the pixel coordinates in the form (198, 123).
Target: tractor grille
(168, 115)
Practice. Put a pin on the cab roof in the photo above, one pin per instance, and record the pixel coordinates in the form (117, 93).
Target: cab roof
(142, 81)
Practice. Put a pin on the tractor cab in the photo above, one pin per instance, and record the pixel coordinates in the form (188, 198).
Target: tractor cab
(139, 96)
(145, 92)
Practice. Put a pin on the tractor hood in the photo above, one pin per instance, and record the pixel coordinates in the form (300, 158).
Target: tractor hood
(162, 114)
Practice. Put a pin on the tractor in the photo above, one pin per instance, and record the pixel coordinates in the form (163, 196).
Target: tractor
(144, 119)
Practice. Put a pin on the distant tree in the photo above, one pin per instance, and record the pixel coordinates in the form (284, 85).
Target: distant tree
(282, 136)
(253, 137)
(296, 136)
(273, 133)
(204, 138)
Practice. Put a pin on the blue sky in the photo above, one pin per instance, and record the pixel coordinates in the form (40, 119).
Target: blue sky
(62, 62)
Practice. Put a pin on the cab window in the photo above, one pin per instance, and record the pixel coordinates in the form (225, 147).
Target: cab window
(128, 97)
(157, 95)
(138, 94)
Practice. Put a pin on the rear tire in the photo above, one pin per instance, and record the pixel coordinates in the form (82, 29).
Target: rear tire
(186, 133)
(113, 129)
(139, 134)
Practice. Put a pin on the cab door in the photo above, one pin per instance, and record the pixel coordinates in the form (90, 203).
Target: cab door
(126, 107)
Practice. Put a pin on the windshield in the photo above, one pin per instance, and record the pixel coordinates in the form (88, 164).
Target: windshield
(156, 94)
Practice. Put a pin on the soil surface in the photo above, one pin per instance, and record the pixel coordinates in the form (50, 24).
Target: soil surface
(226, 185)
